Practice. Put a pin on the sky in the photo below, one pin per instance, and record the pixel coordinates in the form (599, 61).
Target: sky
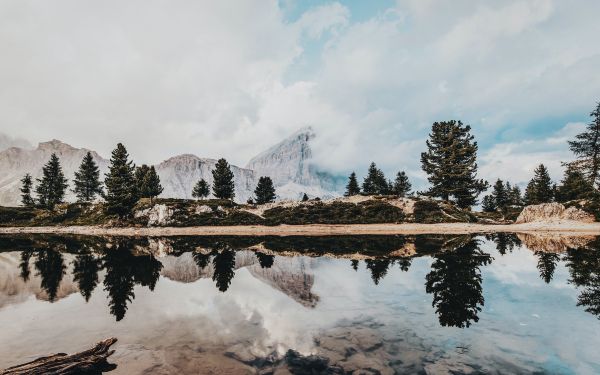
(231, 78)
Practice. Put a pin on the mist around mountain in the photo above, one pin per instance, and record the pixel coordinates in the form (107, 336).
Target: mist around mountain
(289, 163)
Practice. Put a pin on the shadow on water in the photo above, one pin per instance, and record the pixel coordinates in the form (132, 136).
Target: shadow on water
(454, 280)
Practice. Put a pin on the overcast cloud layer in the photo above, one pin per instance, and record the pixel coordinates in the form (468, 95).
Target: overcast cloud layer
(229, 78)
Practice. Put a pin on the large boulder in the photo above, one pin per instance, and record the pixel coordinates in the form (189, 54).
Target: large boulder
(549, 212)
(158, 215)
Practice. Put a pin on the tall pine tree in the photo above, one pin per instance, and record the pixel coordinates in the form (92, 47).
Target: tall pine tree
(540, 189)
(87, 180)
(352, 188)
(53, 184)
(26, 185)
(120, 182)
(451, 163)
(402, 185)
(201, 189)
(375, 182)
(223, 184)
(140, 175)
(586, 148)
(265, 191)
(500, 194)
(149, 186)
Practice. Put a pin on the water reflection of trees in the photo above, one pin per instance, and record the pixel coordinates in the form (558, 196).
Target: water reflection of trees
(584, 271)
(505, 242)
(455, 282)
(546, 264)
(85, 273)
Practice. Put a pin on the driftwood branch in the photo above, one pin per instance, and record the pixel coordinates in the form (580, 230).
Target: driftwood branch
(91, 361)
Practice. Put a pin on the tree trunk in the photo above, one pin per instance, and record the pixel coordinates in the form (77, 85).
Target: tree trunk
(91, 361)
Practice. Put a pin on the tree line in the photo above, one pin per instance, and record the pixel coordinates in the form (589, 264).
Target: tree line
(124, 184)
(450, 163)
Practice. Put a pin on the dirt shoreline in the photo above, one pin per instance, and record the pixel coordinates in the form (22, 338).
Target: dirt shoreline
(567, 228)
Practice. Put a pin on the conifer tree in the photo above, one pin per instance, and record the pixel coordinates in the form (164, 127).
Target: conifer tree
(402, 185)
(451, 163)
(201, 189)
(223, 184)
(515, 196)
(539, 190)
(500, 195)
(265, 191)
(574, 186)
(488, 204)
(375, 182)
(53, 184)
(305, 198)
(140, 175)
(352, 188)
(586, 148)
(151, 184)
(87, 180)
(120, 182)
(26, 185)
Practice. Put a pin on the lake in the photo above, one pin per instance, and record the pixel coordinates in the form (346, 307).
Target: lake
(435, 304)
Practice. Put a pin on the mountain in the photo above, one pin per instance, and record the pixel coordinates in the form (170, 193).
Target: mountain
(289, 163)
(15, 162)
(179, 174)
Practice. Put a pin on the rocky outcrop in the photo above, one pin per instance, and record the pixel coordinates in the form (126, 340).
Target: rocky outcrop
(158, 215)
(550, 212)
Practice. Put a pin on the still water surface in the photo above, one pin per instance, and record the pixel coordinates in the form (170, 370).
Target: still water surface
(381, 304)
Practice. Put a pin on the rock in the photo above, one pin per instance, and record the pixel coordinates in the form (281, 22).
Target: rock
(204, 209)
(552, 212)
(158, 215)
(552, 243)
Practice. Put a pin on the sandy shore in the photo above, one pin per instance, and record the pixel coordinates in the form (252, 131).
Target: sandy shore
(567, 228)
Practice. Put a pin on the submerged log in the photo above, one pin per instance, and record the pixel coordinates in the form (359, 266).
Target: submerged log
(91, 361)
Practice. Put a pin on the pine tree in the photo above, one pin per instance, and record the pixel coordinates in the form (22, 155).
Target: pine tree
(352, 188)
(574, 186)
(375, 182)
(586, 148)
(140, 175)
(488, 204)
(87, 180)
(515, 196)
(223, 184)
(201, 189)
(402, 185)
(152, 184)
(26, 185)
(305, 198)
(539, 190)
(265, 191)
(500, 195)
(120, 182)
(53, 184)
(450, 162)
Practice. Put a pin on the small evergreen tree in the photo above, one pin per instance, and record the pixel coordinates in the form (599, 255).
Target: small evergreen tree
(223, 184)
(26, 185)
(265, 191)
(305, 198)
(87, 180)
(152, 184)
(451, 163)
(500, 194)
(53, 184)
(586, 148)
(201, 189)
(539, 190)
(402, 185)
(488, 204)
(375, 182)
(120, 182)
(574, 186)
(515, 196)
(352, 188)
(140, 176)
